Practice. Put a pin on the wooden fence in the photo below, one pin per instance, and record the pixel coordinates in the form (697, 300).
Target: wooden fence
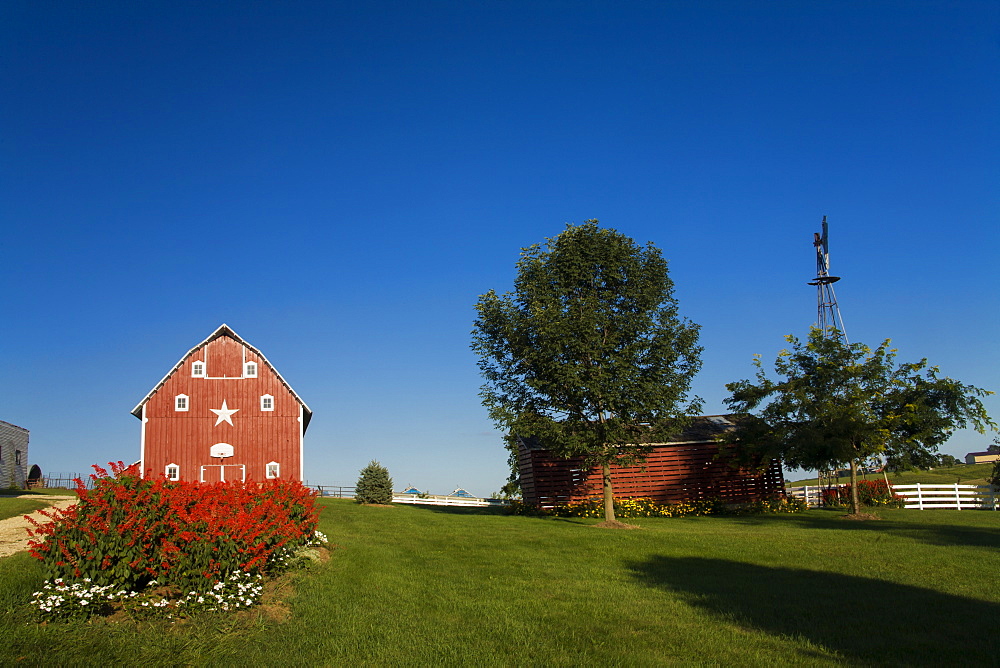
(334, 491)
(926, 496)
(67, 480)
(923, 496)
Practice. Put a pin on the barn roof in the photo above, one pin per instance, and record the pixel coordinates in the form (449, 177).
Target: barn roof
(13, 425)
(226, 330)
(701, 429)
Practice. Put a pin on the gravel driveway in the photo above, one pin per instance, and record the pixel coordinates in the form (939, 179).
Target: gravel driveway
(14, 530)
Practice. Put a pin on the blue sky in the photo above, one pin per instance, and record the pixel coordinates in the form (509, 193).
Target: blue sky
(338, 182)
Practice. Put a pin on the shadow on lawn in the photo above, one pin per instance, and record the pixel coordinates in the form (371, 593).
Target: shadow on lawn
(494, 510)
(934, 534)
(863, 620)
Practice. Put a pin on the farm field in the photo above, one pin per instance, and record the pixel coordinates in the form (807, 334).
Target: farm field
(411, 585)
(967, 474)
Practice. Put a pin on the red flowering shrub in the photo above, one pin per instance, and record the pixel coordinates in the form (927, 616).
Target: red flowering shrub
(870, 493)
(128, 531)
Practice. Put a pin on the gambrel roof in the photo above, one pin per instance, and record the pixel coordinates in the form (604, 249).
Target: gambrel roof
(226, 330)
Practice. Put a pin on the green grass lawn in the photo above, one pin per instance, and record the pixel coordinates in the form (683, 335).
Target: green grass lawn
(968, 474)
(414, 586)
(50, 491)
(12, 507)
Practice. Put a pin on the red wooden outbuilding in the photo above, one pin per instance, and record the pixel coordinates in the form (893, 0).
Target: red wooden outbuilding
(222, 413)
(693, 466)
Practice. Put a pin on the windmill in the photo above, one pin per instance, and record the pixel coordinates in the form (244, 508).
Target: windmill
(828, 317)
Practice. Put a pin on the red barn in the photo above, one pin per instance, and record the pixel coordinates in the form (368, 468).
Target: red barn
(691, 467)
(222, 413)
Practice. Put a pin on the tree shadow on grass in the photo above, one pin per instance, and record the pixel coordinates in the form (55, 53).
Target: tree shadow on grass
(496, 511)
(934, 534)
(860, 619)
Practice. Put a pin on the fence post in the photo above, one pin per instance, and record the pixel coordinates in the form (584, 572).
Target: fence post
(920, 498)
(958, 497)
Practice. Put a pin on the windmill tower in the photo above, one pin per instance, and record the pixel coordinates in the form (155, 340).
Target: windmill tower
(828, 317)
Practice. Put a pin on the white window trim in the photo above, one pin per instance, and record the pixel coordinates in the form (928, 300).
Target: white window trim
(194, 369)
(177, 403)
(277, 470)
(249, 369)
(177, 472)
(262, 400)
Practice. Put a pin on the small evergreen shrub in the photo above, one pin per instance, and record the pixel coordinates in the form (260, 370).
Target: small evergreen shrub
(374, 485)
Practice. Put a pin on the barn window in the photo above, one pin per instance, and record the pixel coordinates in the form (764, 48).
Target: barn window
(267, 403)
(181, 402)
(250, 370)
(198, 369)
(173, 472)
(273, 469)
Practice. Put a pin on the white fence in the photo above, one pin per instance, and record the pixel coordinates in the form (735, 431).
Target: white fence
(430, 500)
(920, 495)
(811, 494)
(924, 495)
(444, 500)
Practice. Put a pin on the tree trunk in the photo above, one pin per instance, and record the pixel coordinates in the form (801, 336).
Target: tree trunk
(609, 498)
(855, 504)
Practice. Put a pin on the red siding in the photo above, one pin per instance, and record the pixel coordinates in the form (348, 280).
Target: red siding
(224, 358)
(258, 437)
(672, 473)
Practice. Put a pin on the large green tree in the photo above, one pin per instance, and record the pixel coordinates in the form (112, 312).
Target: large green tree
(837, 403)
(588, 353)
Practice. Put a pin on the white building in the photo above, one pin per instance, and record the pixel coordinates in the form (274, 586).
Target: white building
(13, 455)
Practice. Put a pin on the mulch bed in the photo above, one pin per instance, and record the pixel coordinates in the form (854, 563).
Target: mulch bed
(615, 524)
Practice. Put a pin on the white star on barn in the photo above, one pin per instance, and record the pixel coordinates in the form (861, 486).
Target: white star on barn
(225, 414)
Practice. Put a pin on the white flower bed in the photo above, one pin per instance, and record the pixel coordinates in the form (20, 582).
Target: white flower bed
(59, 599)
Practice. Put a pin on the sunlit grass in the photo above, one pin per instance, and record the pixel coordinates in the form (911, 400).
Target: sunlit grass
(967, 474)
(50, 491)
(12, 507)
(423, 586)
